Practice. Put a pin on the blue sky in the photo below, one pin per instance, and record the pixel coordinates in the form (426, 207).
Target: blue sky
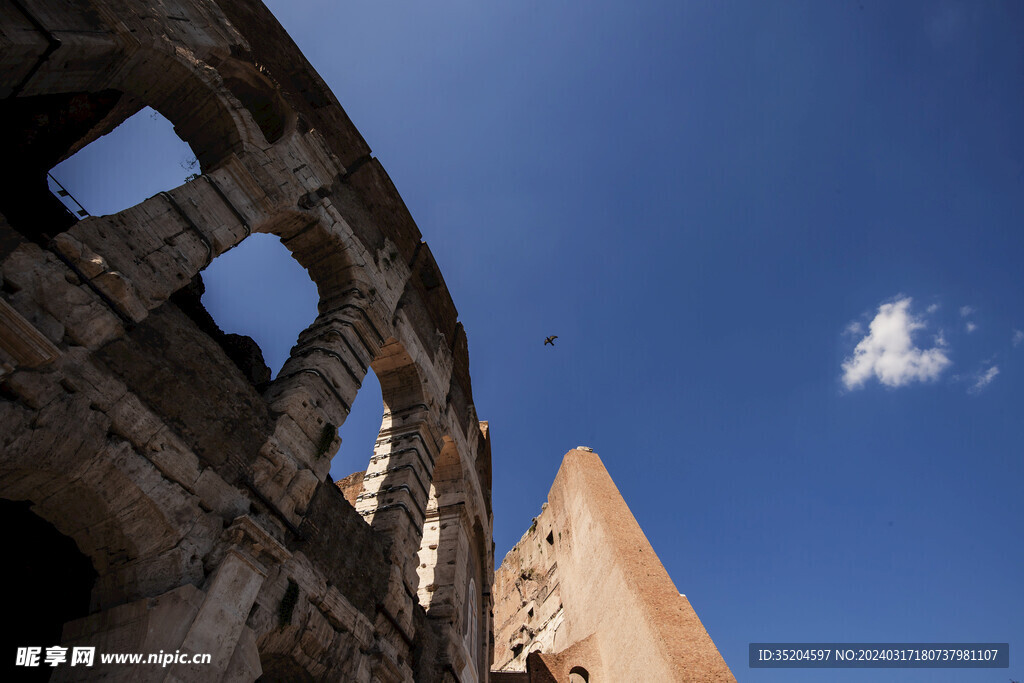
(780, 246)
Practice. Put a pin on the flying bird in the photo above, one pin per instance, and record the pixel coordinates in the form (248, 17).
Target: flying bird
(550, 340)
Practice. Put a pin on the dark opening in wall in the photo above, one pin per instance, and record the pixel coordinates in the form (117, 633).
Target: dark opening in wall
(48, 582)
(257, 91)
(37, 132)
(133, 162)
(282, 669)
(579, 675)
(264, 104)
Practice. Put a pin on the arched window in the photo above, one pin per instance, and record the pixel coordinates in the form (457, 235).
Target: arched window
(472, 626)
(138, 159)
(49, 581)
(359, 433)
(578, 675)
(470, 635)
(260, 291)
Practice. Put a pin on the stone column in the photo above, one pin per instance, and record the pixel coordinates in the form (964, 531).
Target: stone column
(219, 626)
(396, 485)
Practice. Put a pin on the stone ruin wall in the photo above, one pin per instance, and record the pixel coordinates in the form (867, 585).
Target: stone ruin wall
(198, 491)
(528, 609)
(584, 594)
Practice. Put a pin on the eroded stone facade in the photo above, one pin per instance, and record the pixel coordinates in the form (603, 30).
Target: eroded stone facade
(197, 490)
(583, 597)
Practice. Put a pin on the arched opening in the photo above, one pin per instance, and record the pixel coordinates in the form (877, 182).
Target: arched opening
(483, 647)
(40, 131)
(325, 369)
(471, 631)
(300, 325)
(400, 458)
(84, 154)
(282, 669)
(579, 675)
(36, 133)
(398, 478)
(139, 158)
(260, 96)
(451, 538)
(259, 299)
(49, 582)
(442, 537)
(359, 433)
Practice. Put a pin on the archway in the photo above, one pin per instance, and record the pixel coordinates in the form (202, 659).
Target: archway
(359, 433)
(282, 669)
(49, 583)
(579, 675)
(260, 293)
(139, 158)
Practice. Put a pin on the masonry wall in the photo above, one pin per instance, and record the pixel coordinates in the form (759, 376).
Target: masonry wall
(583, 591)
(196, 490)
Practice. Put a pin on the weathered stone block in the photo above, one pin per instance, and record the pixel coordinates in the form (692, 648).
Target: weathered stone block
(219, 496)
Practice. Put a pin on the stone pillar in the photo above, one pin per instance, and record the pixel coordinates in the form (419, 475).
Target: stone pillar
(396, 486)
(21, 343)
(312, 397)
(145, 626)
(219, 627)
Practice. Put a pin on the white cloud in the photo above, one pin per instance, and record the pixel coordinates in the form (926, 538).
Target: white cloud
(1018, 337)
(983, 379)
(965, 311)
(888, 352)
(931, 309)
(855, 328)
(971, 327)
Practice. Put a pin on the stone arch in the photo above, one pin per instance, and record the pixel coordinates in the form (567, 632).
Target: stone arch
(60, 115)
(324, 259)
(253, 301)
(191, 96)
(256, 176)
(328, 254)
(135, 259)
(50, 581)
(279, 668)
(319, 381)
(396, 485)
(479, 563)
(401, 385)
(453, 561)
(443, 539)
(178, 83)
(578, 674)
(36, 133)
(261, 97)
(314, 390)
(77, 511)
(106, 505)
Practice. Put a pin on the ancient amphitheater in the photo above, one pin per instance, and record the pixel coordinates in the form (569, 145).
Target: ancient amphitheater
(161, 496)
